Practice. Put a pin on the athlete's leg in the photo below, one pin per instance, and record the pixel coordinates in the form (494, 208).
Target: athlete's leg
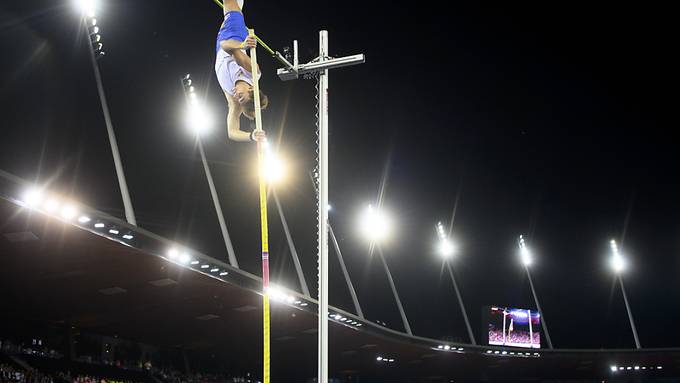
(233, 5)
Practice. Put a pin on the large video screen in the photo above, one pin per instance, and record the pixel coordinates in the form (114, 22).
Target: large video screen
(514, 327)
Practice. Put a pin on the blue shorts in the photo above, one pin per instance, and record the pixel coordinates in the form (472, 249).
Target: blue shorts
(233, 28)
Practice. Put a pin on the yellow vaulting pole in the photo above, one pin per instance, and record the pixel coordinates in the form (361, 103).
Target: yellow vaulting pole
(263, 218)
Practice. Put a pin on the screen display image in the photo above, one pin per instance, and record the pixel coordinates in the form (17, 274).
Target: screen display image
(514, 327)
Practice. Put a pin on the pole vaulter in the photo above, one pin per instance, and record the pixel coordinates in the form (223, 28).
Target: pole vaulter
(241, 88)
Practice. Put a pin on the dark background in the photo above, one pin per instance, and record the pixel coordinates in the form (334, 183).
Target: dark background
(556, 122)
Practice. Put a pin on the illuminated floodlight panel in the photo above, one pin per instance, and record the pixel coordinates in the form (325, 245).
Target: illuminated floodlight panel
(375, 225)
(513, 327)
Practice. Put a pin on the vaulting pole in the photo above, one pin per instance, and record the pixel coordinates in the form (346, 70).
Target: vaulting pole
(263, 219)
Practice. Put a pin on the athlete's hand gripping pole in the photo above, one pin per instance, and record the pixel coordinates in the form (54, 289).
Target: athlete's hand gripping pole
(263, 214)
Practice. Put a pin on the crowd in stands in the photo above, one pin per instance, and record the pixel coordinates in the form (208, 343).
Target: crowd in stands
(10, 374)
(171, 376)
(513, 337)
(49, 366)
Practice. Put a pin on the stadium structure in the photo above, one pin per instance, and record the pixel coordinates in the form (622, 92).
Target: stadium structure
(74, 269)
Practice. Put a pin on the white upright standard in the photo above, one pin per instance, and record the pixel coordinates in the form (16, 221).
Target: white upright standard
(320, 67)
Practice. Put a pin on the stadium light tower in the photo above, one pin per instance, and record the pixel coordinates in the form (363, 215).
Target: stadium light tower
(376, 228)
(446, 250)
(618, 264)
(198, 120)
(525, 256)
(88, 9)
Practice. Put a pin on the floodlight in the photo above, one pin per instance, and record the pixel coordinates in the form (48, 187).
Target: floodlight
(33, 197)
(88, 7)
(375, 224)
(198, 119)
(524, 253)
(617, 262)
(446, 248)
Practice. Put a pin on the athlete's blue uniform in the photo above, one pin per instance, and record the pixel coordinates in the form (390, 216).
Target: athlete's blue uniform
(227, 70)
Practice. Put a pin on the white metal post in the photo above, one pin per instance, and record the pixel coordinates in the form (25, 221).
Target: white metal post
(218, 207)
(404, 320)
(291, 247)
(630, 314)
(540, 312)
(350, 286)
(323, 212)
(462, 306)
(122, 183)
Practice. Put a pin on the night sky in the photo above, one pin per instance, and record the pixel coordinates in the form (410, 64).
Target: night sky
(555, 123)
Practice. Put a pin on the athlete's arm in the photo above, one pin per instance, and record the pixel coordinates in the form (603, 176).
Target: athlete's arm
(235, 49)
(234, 131)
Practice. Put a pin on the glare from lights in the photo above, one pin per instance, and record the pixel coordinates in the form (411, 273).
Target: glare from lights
(84, 219)
(51, 205)
(88, 7)
(524, 253)
(279, 295)
(375, 224)
(99, 225)
(273, 168)
(198, 119)
(446, 248)
(613, 368)
(617, 262)
(185, 258)
(214, 270)
(223, 273)
(172, 253)
(128, 236)
(204, 266)
(33, 198)
(447, 347)
(379, 359)
(195, 262)
(68, 212)
(114, 231)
